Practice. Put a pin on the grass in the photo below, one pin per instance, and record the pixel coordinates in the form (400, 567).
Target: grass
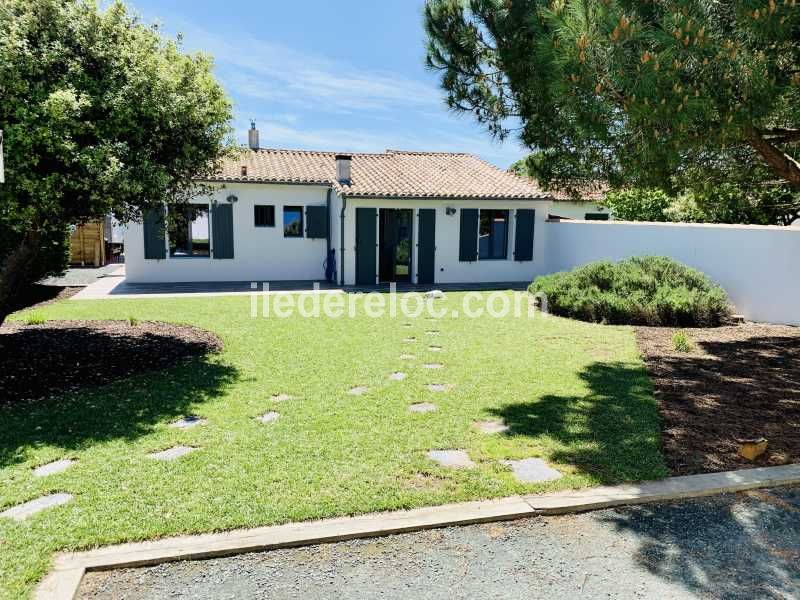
(681, 342)
(575, 394)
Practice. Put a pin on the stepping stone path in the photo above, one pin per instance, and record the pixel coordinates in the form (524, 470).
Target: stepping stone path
(397, 376)
(455, 459)
(435, 348)
(490, 426)
(172, 453)
(422, 407)
(433, 365)
(269, 417)
(410, 340)
(532, 470)
(407, 357)
(440, 387)
(188, 422)
(58, 466)
(23, 511)
(357, 391)
(280, 397)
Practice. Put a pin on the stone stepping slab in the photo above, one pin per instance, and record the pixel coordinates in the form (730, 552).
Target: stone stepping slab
(58, 466)
(409, 340)
(27, 509)
(494, 426)
(433, 332)
(440, 387)
(407, 357)
(358, 390)
(433, 366)
(435, 348)
(397, 376)
(422, 407)
(280, 397)
(269, 417)
(188, 422)
(172, 453)
(454, 459)
(532, 470)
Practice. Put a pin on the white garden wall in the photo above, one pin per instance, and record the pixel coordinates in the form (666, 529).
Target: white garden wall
(757, 265)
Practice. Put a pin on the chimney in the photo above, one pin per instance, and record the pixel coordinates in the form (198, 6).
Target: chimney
(252, 136)
(343, 168)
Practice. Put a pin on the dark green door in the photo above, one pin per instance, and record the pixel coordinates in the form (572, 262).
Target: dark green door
(366, 244)
(426, 251)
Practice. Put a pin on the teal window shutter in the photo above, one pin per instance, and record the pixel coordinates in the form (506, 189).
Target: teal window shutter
(222, 230)
(317, 222)
(468, 242)
(523, 238)
(154, 240)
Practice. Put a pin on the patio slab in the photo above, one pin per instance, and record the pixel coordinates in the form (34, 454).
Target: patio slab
(28, 509)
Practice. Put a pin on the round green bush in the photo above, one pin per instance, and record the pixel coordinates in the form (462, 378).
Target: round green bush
(649, 290)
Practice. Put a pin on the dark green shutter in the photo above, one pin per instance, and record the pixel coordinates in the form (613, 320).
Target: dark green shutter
(366, 243)
(316, 222)
(426, 248)
(154, 241)
(222, 230)
(523, 238)
(468, 242)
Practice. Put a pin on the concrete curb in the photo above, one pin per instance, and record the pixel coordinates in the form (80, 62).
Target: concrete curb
(64, 580)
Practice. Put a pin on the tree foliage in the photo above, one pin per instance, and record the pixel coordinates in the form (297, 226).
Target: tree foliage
(629, 92)
(638, 204)
(101, 115)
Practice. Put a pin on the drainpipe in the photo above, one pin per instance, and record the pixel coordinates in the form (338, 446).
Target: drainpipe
(341, 237)
(328, 236)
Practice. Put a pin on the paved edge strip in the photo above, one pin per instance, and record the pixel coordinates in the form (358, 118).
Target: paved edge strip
(64, 580)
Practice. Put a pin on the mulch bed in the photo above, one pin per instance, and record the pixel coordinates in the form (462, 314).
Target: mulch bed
(739, 382)
(42, 295)
(38, 361)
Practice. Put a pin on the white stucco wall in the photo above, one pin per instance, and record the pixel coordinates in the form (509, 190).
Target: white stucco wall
(260, 253)
(577, 210)
(757, 265)
(448, 268)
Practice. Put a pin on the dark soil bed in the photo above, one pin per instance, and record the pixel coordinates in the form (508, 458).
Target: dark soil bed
(37, 361)
(739, 382)
(42, 295)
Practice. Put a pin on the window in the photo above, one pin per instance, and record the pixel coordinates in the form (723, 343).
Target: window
(493, 234)
(264, 216)
(188, 232)
(292, 221)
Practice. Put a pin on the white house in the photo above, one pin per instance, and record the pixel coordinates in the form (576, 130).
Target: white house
(354, 219)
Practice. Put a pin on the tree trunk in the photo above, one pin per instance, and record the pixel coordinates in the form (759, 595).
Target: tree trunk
(16, 271)
(781, 163)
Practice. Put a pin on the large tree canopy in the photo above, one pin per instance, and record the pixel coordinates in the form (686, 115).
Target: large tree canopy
(100, 115)
(627, 91)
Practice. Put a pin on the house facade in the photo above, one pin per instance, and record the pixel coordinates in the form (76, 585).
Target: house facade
(351, 219)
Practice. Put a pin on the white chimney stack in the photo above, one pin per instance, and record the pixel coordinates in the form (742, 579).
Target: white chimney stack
(252, 136)
(343, 168)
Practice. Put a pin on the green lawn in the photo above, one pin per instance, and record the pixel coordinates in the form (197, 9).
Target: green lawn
(573, 393)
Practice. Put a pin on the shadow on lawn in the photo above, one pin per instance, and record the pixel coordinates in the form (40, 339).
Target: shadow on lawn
(125, 409)
(612, 432)
(730, 546)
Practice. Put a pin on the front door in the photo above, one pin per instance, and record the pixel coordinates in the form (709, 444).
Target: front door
(396, 226)
(365, 245)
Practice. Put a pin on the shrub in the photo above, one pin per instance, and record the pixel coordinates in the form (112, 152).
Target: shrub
(681, 342)
(133, 321)
(650, 290)
(35, 318)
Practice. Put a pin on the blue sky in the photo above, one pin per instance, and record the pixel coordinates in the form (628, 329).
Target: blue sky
(343, 75)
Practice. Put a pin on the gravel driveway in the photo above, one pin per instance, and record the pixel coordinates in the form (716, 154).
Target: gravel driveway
(733, 546)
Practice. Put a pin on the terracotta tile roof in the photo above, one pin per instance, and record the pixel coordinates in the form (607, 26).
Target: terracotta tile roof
(395, 173)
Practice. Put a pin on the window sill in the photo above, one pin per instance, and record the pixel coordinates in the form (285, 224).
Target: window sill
(189, 257)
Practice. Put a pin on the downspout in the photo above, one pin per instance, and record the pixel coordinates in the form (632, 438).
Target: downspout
(328, 237)
(341, 237)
